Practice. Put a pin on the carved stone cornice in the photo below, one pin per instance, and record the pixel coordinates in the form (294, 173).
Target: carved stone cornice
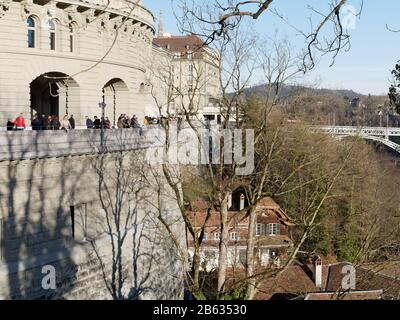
(72, 14)
(89, 15)
(26, 8)
(104, 25)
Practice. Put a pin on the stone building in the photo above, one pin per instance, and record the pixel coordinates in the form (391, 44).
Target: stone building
(59, 57)
(65, 57)
(193, 74)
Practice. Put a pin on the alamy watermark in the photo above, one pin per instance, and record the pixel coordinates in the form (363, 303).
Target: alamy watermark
(349, 277)
(49, 280)
(203, 146)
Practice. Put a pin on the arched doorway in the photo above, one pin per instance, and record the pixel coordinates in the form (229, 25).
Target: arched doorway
(116, 97)
(54, 93)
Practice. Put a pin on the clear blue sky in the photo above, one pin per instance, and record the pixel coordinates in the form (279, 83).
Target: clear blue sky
(365, 68)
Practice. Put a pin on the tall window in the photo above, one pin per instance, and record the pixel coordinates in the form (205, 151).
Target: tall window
(31, 32)
(71, 37)
(52, 28)
(259, 229)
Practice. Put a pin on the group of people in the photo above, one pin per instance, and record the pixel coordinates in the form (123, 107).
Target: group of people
(125, 122)
(98, 123)
(51, 122)
(42, 122)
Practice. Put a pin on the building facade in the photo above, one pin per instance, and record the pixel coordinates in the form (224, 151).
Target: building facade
(272, 236)
(65, 57)
(192, 76)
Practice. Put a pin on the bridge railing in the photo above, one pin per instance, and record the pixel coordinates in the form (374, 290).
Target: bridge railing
(360, 131)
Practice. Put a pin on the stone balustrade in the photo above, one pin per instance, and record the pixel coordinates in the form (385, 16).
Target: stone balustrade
(20, 145)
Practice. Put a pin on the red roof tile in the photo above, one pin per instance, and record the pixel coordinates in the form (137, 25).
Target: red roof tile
(293, 281)
(182, 44)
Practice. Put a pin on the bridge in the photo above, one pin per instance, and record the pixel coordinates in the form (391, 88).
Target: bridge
(378, 134)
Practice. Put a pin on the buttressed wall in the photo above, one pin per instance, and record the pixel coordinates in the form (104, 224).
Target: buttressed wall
(64, 205)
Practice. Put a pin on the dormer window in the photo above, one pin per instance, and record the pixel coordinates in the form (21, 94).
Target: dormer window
(190, 55)
(216, 236)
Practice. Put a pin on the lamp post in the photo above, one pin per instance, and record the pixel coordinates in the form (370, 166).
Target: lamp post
(102, 105)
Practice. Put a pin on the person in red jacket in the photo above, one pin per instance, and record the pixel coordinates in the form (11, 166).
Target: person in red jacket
(20, 122)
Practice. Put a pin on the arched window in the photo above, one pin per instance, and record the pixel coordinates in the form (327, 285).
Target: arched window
(31, 32)
(52, 28)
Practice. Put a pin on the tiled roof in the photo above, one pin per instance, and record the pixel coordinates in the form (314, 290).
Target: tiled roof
(352, 295)
(268, 202)
(383, 275)
(199, 205)
(389, 269)
(198, 218)
(332, 276)
(294, 281)
(265, 208)
(181, 44)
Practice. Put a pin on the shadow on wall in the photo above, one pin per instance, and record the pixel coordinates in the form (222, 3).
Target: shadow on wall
(142, 262)
(92, 217)
(35, 223)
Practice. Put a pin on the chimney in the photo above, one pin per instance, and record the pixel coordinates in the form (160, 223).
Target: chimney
(318, 272)
(229, 200)
(241, 206)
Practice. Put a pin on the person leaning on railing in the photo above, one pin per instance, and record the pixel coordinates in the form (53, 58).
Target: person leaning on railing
(20, 123)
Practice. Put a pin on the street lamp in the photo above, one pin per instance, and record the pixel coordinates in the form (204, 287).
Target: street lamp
(102, 105)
